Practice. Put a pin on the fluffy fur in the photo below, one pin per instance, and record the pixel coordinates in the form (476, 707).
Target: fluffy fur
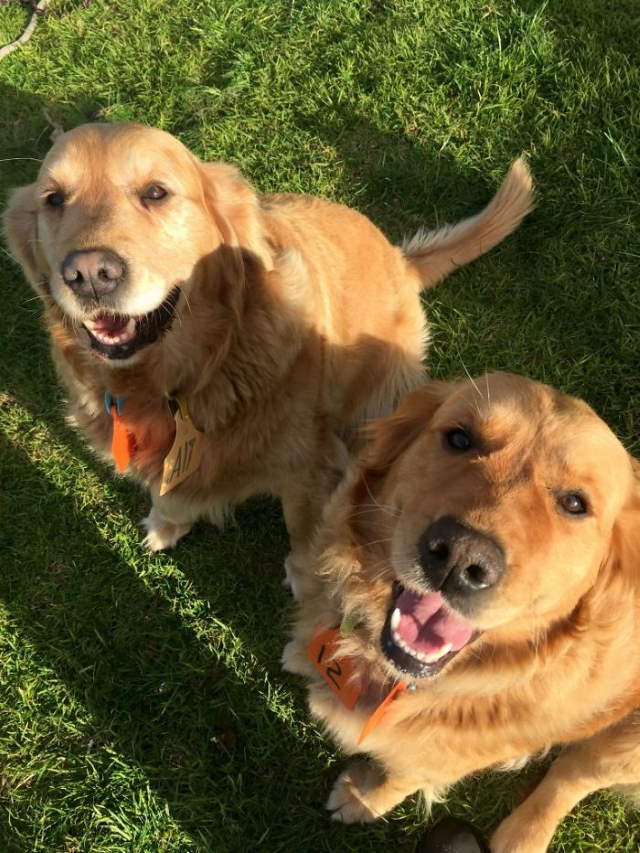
(554, 657)
(296, 319)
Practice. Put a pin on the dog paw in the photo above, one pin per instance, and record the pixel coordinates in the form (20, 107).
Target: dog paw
(514, 836)
(289, 656)
(294, 658)
(349, 801)
(162, 535)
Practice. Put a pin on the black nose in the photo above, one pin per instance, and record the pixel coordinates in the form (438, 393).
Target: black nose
(93, 272)
(457, 558)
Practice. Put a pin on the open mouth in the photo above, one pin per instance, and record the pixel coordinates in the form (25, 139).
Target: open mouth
(121, 335)
(421, 634)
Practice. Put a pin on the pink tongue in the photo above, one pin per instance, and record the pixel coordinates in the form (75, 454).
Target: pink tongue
(109, 324)
(426, 624)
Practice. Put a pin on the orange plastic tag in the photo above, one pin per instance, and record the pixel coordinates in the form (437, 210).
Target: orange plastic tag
(185, 454)
(336, 672)
(379, 712)
(122, 442)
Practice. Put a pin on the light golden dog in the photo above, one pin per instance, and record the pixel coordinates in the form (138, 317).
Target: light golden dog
(279, 323)
(485, 552)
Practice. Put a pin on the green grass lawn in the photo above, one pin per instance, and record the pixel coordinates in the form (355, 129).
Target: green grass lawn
(142, 706)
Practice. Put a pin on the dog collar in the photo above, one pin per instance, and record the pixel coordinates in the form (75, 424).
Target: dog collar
(186, 451)
(110, 401)
(339, 673)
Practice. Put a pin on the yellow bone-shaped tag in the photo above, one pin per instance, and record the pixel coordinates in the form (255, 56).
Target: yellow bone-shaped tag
(186, 452)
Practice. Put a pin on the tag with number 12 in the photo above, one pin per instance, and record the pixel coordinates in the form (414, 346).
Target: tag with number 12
(337, 672)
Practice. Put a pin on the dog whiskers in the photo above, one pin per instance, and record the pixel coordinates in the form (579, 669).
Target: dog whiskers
(363, 510)
(377, 542)
(11, 159)
(474, 385)
(188, 303)
(392, 511)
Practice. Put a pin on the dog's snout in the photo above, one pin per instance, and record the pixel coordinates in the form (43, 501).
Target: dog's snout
(459, 559)
(93, 273)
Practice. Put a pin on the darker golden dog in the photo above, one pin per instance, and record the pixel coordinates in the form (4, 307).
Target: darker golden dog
(275, 323)
(485, 552)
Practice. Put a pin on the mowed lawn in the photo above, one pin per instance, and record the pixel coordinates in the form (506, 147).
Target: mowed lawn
(142, 706)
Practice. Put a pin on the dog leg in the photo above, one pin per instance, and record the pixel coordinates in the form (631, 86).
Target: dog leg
(303, 501)
(363, 792)
(292, 573)
(609, 759)
(161, 532)
(294, 659)
(302, 510)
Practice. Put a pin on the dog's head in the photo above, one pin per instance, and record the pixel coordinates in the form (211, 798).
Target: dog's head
(116, 226)
(496, 504)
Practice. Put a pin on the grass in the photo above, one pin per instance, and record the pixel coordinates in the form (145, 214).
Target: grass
(142, 705)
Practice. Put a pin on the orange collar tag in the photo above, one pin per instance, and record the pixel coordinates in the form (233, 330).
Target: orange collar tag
(123, 442)
(338, 674)
(186, 452)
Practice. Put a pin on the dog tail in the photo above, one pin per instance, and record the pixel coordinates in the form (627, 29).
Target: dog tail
(435, 254)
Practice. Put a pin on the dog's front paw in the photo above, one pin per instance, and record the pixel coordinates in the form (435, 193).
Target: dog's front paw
(515, 836)
(294, 659)
(290, 656)
(350, 800)
(162, 534)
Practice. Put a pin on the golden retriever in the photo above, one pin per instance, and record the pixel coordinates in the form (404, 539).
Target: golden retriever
(484, 551)
(278, 322)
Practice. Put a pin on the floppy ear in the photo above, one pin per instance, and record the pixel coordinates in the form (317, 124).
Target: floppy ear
(235, 208)
(244, 254)
(20, 228)
(391, 436)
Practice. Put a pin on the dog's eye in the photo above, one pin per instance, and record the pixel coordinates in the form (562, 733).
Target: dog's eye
(154, 192)
(572, 503)
(54, 199)
(458, 439)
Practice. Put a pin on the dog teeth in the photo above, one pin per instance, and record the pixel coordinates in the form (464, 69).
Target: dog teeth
(423, 657)
(440, 653)
(395, 618)
(123, 337)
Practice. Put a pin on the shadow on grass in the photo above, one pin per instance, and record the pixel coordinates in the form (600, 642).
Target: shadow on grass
(205, 736)
(610, 31)
(28, 122)
(403, 183)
